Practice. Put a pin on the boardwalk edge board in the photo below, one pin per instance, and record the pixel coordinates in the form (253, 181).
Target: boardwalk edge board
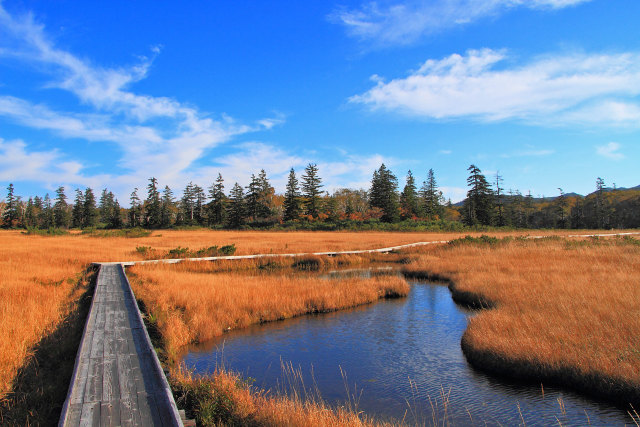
(363, 251)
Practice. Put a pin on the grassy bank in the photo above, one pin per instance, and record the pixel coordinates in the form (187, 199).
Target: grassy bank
(39, 272)
(39, 388)
(563, 312)
(193, 302)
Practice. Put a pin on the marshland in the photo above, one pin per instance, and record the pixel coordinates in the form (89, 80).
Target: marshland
(542, 328)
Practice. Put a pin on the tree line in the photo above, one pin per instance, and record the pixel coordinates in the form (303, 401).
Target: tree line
(305, 204)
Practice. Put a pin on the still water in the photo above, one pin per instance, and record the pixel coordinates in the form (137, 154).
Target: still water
(400, 356)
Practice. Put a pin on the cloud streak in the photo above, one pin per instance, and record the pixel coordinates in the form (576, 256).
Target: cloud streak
(610, 151)
(400, 23)
(486, 86)
(156, 136)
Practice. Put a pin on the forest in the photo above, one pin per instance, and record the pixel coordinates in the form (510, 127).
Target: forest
(305, 205)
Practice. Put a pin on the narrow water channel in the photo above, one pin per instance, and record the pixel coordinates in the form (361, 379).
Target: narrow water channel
(402, 355)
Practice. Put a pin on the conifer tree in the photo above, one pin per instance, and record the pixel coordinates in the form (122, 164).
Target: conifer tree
(601, 211)
(115, 218)
(60, 214)
(11, 213)
(292, 198)
(384, 193)
(167, 207)
(30, 215)
(265, 195)
(500, 221)
(478, 206)
(90, 213)
(431, 197)
(217, 205)
(236, 207)
(153, 205)
(135, 212)
(409, 198)
(46, 215)
(188, 204)
(104, 205)
(311, 184)
(252, 198)
(561, 208)
(200, 200)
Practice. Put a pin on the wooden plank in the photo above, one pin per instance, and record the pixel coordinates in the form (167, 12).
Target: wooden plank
(97, 344)
(93, 389)
(144, 409)
(127, 382)
(110, 379)
(90, 415)
(110, 413)
(79, 383)
(74, 411)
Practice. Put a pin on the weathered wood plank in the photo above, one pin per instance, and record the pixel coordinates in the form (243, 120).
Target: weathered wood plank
(90, 414)
(110, 380)
(110, 413)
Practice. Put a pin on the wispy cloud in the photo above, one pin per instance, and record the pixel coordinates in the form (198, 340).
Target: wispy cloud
(594, 89)
(157, 136)
(403, 22)
(610, 151)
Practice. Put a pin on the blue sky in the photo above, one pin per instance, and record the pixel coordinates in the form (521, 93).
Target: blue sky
(547, 92)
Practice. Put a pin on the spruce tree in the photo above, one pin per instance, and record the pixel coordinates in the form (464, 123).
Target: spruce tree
(167, 207)
(104, 205)
(311, 184)
(252, 198)
(431, 197)
(265, 195)
(500, 220)
(46, 215)
(153, 205)
(188, 204)
(217, 205)
(561, 209)
(200, 199)
(384, 193)
(11, 213)
(409, 198)
(30, 215)
(236, 207)
(478, 205)
(115, 217)
(60, 214)
(135, 212)
(292, 198)
(90, 212)
(77, 212)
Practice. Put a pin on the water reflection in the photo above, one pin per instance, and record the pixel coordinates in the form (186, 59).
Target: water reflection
(403, 355)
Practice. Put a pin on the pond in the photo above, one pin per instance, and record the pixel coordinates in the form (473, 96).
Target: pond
(401, 357)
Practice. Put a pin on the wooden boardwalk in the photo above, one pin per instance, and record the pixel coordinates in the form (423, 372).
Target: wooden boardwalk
(117, 380)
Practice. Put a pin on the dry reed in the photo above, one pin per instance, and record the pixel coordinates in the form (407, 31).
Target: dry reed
(38, 273)
(189, 304)
(563, 311)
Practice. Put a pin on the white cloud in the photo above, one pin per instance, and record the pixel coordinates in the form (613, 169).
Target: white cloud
(156, 136)
(49, 167)
(610, 151)
(557, 89)
(404, 22)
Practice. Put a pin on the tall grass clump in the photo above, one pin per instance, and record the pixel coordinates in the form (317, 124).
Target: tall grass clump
(192, 305)
(562, 312)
